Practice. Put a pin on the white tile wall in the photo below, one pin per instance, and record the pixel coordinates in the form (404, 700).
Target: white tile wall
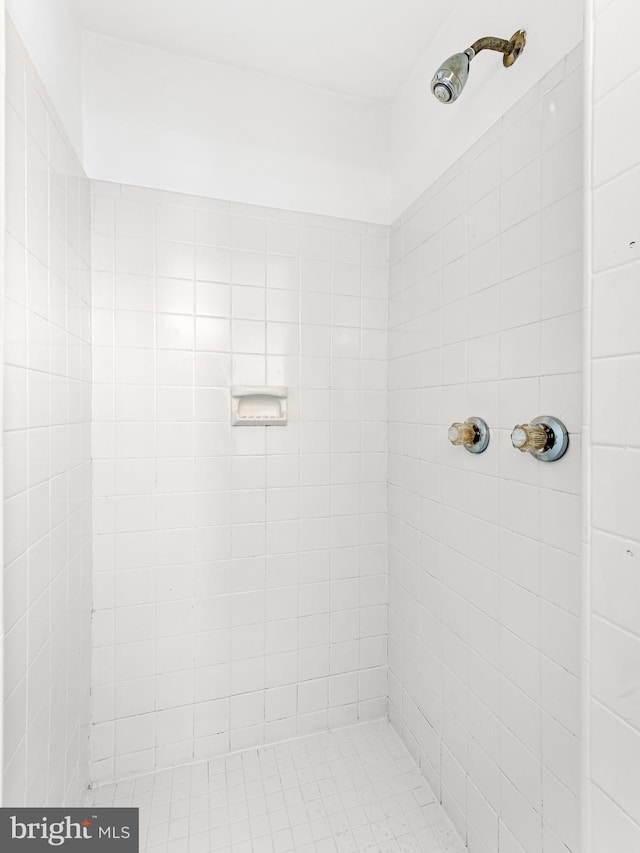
(485, 319)
(46, 588)
(240, 574)
(240, 583)
(615, 449)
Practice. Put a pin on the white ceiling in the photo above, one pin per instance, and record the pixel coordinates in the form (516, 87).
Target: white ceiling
(358, 47)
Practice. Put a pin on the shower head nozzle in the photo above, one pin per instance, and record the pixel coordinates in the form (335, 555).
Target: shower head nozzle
(450, 79)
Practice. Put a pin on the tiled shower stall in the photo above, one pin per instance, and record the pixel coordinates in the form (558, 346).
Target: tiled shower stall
(485, 315)
(239, 574)
(345, 634)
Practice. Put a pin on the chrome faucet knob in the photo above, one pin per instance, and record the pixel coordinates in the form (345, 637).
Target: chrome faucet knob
(462, 435)
(472, 434)
(545, 438)
(529, 437)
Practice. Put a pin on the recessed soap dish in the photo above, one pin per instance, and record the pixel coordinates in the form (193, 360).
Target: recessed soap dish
(264, 405)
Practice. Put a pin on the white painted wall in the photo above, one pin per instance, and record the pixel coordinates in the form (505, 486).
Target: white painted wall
(160, 120)
(428, 137)
(171, 122)
(297, 39)
(51, 33)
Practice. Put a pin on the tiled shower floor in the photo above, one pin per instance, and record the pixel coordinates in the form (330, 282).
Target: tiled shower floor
(355, 789)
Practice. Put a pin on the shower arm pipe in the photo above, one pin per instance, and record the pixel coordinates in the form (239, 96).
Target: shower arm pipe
(511, 49)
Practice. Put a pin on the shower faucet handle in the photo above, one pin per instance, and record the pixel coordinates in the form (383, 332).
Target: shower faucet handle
(545, 438)
(473, 435)
(529, 437)
(462, 434)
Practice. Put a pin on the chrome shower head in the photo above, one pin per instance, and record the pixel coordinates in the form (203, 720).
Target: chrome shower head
(450, 79)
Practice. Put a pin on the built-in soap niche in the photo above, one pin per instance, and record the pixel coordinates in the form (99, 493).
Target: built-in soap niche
(259, 405)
